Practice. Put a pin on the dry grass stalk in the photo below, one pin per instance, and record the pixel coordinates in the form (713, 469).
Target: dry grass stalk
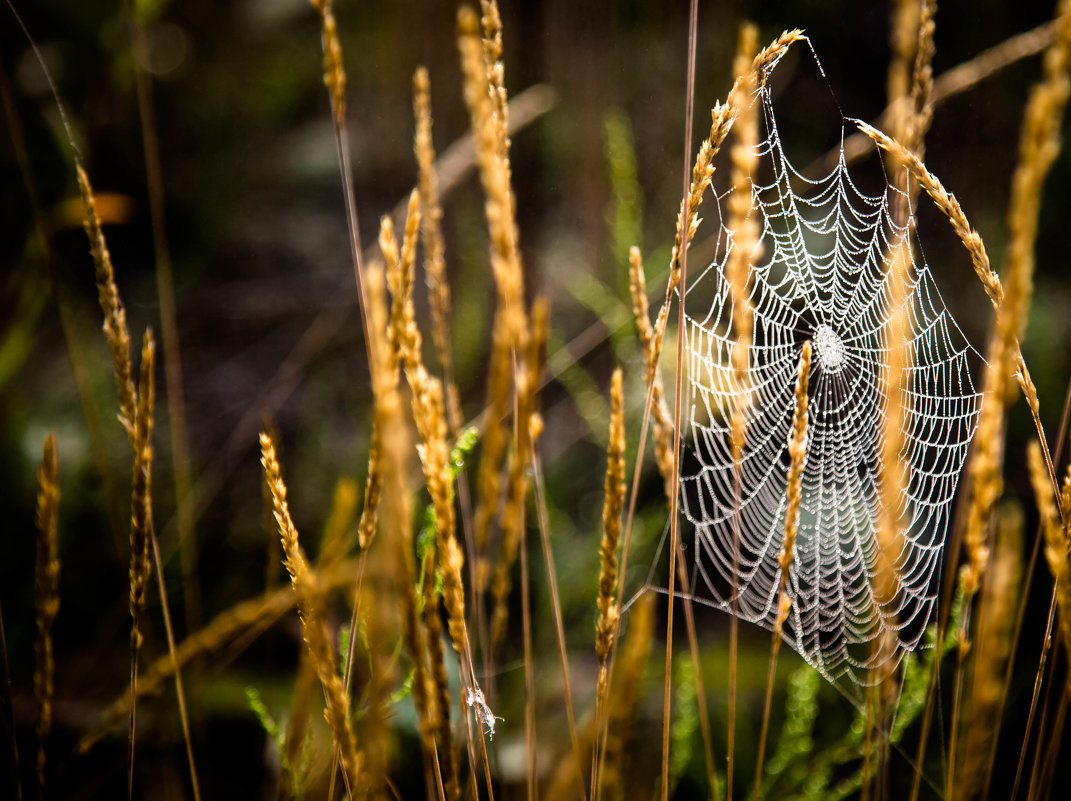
(955, 81)
(366, 528)
(903, 39)
(922, 81)
(745, 243)
(897, 381)
(430, 420)
(141, 514)
(141, 522)
(48, 598)
(1057, 541)
(306, 587)
(115, 328)
(528, 427)
(484, 97)
(948, 205)
(440, 688)
(613, 503)
(996, 618)
(722, 119)
(432, 236)
(797, 452)
(624, 698)
(250, 615)
(622, 707)
(428, 410)
(744, 225)
(1039, 144)
(663, 424)
(1038, 147)
(334, 72)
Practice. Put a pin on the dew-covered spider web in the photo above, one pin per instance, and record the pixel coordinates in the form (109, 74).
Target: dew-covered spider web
(820, 274)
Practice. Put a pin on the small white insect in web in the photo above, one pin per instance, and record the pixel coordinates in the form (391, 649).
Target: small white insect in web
(822, 275)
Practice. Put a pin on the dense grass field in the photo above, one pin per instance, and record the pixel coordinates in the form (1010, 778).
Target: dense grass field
(359, 457)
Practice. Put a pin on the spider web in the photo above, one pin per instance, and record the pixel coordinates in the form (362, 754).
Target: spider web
(820, 274)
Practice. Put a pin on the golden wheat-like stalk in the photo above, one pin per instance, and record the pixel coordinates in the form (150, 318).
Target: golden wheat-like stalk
(440, 687)
(141, 522)
(922, 81)
(613, 503)
(432, 236)
(312, 622)
(141, 515)
(663, 423)
(115, 328)
(48, 597)
(948, 205)
(1057, 540)
(624, 697)
(334, 72)
(253, 614)
(529, 426)
(484, 97)
(797, 452)
(996, 619)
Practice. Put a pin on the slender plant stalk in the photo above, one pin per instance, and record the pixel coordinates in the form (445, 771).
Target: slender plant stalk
(169, 329)
(556, 607)
(48, 596)
(797, 450)
(674, 523)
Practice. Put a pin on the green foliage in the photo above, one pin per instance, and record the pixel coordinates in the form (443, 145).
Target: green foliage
(685, 718)
(275, 734)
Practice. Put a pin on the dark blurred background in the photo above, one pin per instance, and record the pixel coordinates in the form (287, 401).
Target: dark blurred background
(266, 304)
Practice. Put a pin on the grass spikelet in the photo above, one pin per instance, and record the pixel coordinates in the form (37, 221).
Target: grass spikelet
(797, 452)
(922, 80)
(366, 528)
(115, 328)
(484, 97)
(1057, 541)
(723, 116)
(663, 424)
(48, 598)
(902, 40)
(1039, 144)
(141, 523)
(627, 686)
(528, 427)
(996, 618)
(141, 515)
(745, 241)
(253, 614)
(948, 205)
(744, 158)
(440, 688)
(334, 72)
(613, 503)
(431, 233)
(428, 411)
(890, 540)
(312, 622)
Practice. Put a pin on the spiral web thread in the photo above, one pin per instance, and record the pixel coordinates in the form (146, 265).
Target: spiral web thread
(821, 275)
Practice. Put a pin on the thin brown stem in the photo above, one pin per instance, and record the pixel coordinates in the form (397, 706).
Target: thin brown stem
(1065, 415)
(169, 330)
(674, 523)
(556, 609)
(180, 695)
